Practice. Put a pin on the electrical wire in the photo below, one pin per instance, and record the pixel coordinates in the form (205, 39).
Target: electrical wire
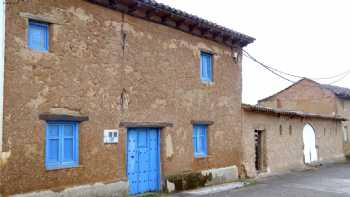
(343, 77)
(267, 68)
(276, 71)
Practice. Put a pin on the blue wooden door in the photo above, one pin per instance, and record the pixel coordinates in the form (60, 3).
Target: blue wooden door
(143, 160)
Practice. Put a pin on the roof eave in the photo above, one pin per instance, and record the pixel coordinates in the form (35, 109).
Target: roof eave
(260, 109)
(180, 20)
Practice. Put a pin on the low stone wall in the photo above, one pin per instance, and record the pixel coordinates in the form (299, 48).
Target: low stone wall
(116, 189)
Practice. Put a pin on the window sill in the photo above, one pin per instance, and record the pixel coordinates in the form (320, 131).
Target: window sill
(208, 83)
(64, 168)
(38, 50)
(200, 157)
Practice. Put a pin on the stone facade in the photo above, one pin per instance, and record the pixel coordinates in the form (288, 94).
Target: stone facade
(113, 68)
(343, 109)
(283, 141)
(305, 95)
(310, 96)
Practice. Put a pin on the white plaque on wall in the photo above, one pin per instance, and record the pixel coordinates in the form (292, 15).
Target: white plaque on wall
(111, 136)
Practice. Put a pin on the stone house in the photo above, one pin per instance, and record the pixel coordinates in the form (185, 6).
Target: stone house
(278, 140)
(309, 96)
(116, 97)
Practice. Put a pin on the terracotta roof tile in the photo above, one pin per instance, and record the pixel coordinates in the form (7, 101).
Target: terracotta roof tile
(242, 39)
(340, 92)
(284, 112)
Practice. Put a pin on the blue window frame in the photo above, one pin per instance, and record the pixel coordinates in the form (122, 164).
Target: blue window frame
(199, 139)
(62, 145)
(206, 67)
(38, 36)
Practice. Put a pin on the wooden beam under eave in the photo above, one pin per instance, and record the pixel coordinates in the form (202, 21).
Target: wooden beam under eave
(216, 35)
(225, 38)
(164, 18)
(202, 31)
(192, 27)
(235, 42)
(180, 22)
(133, 7)
(149, 13)
(212, 33)
(112, 3)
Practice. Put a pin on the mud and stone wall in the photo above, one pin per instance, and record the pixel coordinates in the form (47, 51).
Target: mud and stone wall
(305, 95)
(309, 96)
(112, 68)
(283, 150)
(343, 108)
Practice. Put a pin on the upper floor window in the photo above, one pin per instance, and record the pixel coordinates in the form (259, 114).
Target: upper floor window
(62, 145)
(199, 139)
(38, 36)
(206, 67)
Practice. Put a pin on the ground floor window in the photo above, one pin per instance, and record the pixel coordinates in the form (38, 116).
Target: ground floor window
(61, 145)
(200, 140)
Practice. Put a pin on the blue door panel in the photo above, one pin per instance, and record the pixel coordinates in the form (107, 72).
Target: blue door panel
(143, 160)
(154, 167)
(132, 156)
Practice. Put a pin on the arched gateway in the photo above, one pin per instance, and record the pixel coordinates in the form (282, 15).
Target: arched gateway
(309, 139)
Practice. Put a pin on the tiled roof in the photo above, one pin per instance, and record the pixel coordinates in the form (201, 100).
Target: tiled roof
(284, 112)
(340, 92)
(229, 36)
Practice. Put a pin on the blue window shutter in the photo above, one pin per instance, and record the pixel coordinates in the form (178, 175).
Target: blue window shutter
(207, 65)
(210, 67)
(62, 145)
(38, 36)
(68, 143)
(206, 70)
(52, 146)
(194, 139)
(200, 140)
(204, 140)
(203, 67)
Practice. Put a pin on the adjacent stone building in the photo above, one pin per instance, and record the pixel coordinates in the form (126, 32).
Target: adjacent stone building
(309, 96)
(278, 140)
(121, 97)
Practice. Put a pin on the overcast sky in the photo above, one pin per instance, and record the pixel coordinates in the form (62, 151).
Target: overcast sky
(309, 38)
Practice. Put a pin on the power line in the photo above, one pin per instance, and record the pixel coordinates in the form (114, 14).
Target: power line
(266, 67)
(276, 71)
(319, 78)
(343, 77)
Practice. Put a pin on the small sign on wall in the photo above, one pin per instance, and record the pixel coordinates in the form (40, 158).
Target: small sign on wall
(111, 136)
